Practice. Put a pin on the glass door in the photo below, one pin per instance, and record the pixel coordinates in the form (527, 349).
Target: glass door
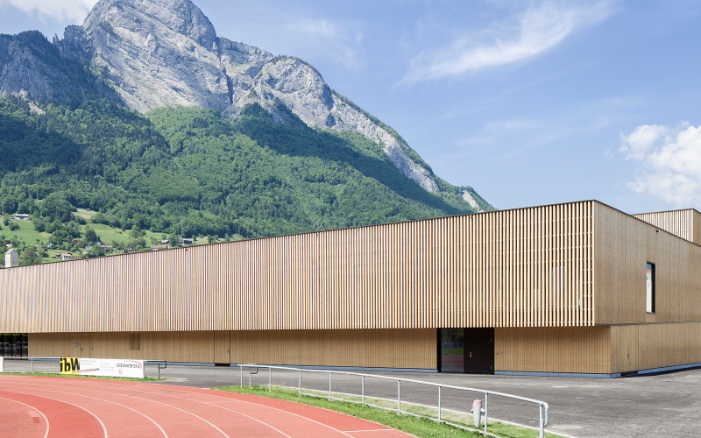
(452, 350)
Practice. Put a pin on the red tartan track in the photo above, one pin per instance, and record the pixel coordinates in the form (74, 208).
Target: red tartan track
(65, 407)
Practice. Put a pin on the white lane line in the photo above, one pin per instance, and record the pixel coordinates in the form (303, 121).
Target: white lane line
(160, 393)
(36, 410)
(166, 391)
(102, 425)
(197, 401)
(217, 396)
(124, 395)
(163, 432)
(295, 415)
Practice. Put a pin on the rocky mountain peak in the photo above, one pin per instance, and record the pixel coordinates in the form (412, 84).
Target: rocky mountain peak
(156, 53)
(166, 53)
(144, 16)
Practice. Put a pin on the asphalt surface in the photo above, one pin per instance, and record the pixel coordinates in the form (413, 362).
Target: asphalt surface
(663, 405)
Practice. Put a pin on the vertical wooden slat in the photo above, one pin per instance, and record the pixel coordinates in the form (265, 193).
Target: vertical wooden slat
(518, 268)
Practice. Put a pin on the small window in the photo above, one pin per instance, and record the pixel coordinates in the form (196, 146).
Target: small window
(650, 285)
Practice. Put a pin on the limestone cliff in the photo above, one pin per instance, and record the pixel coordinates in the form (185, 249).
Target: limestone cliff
(165, 53)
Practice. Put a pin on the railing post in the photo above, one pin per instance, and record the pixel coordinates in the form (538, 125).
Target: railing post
(543, 407)
(399, 396)
(362, 389)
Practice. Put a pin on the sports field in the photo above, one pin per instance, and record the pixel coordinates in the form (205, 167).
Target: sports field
(32, 406)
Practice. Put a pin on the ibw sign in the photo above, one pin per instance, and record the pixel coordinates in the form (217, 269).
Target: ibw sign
(102, 367)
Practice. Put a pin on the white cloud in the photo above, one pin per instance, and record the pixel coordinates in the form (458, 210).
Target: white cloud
(291, 28)
(535, 30)
(670, 162)
(69, 10)
(337, 40)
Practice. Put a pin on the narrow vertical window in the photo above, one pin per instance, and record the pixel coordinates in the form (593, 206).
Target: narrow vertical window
(650, 285)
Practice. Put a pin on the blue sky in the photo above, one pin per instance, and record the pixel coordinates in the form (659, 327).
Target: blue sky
(530, 102)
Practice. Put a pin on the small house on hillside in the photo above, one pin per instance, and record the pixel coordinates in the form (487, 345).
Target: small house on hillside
(11, 258)
(20, 217)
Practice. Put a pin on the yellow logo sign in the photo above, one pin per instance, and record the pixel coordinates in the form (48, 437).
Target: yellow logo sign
(69, 365)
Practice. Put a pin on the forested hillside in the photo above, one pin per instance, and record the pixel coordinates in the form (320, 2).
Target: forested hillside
(188, 172)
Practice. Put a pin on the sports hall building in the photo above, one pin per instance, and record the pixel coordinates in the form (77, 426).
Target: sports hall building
(569, 288)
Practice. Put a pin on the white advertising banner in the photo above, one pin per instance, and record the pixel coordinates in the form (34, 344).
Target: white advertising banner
(103, 367)
(2, 365)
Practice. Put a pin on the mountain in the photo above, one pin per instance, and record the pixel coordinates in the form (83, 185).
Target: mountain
(154, 68)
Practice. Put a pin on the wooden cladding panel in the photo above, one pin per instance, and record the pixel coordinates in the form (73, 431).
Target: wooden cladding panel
(648, 346)
(683, 223)
(359, 348)
(625, 352)
(664, 345)
(553, 350)
(623, 247)
(518, 268)
(354, 348)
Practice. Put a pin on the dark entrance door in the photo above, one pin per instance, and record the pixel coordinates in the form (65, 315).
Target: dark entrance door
(466, 350)
(479, 351)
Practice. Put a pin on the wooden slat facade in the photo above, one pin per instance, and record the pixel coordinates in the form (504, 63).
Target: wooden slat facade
(683, 223)
(563, 286)
(520, 268)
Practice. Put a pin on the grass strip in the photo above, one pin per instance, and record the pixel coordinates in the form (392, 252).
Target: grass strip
(420, 427)
(81, 376)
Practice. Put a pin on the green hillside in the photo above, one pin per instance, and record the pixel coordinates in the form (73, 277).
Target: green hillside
(188, 172)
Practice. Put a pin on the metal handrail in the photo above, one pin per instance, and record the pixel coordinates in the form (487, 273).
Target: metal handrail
(544, 408)
(159, 363)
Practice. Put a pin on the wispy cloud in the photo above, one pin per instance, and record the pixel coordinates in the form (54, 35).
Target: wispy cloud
(535, 30)
(70, 10)
(292, 28)
(339, 41)
(670, 162)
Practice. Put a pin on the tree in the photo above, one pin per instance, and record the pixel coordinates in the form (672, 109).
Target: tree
(55, 206)
(9, 204)
(91, 236)
(39, 224)
(29, 256)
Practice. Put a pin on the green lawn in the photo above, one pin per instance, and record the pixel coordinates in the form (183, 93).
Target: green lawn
(108, 234)
(420, 427)
(26, 232)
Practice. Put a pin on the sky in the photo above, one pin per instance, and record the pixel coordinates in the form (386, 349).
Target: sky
(530, 102)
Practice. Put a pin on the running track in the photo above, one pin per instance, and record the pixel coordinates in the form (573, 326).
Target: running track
(63, 407)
